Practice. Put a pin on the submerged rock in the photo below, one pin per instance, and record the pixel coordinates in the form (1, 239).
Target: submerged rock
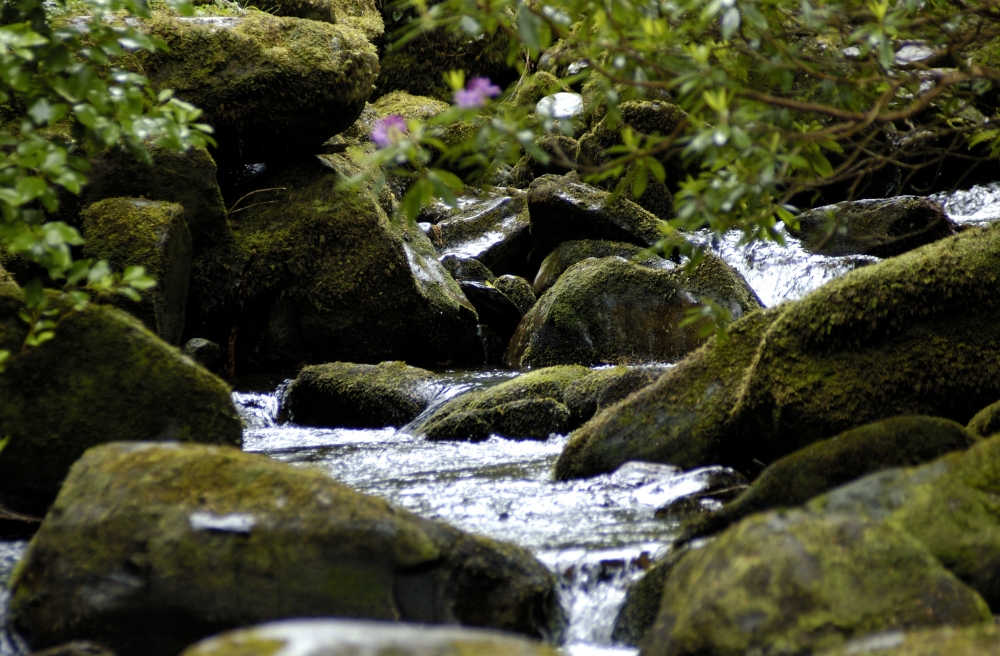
(343, 394)
(150, 547)
(978, 640)
(569, 253)
(883, 227)
(531, 406)
(795, 583)
(796, 478)
(912, 334)
(326, 275)
(242, 70)
(610, 310)
(152, 234)
(347, 638)
(104, 378)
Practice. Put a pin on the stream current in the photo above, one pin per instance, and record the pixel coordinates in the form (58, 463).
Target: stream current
(597, 534)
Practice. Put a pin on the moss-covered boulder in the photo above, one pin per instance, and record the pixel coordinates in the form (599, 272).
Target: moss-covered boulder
(796, 478)
(518, 290)
(950, 505)
(642, 600)
(324, 275)
(531, 406)
(150, 547)
(605, 387)
(986, 422)
(495, 231)
(611, 310)
(563, 209)
(362, 15)
(349, 638)
(343, 394)
(569, 253)
(272, 87)
(103, 378)
(397, 103)
(910, 335)
(978, 640)
(562, 154)
(795, 583)
(880, 227)
(152, 234)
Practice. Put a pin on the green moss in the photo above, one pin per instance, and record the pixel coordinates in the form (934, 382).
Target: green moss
(298, 545)
(518, 290)
(642, 601)
(986, 422)
(909, 335)
(978, 640)
(569, 253)
(529, 406)
(361, 15)
(794, 583)
(104, 378)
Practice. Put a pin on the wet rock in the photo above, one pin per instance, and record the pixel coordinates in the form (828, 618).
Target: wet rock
(397, 103)
(467, 270)
(325, 275)
(238, 70)
(909, 335)
(986, 422)
(611, 310)
(949, 505)
(494, 231)
(569, 253)
(518, 290)
(795, 583)
(530, 406)
(796, 478)
(978, 640)
(494, 308)
(343, 394)
(206, 353)
(642, 600)
(150, 547)
(558, 148)
(153, 234)
(75, 648)
(104, 378)
(605, 387)
(188, 178)
(349, 638)
(882, 227)
(562, 209)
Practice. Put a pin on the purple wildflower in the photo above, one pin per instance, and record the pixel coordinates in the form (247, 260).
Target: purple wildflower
(389, 131)
(476, 92)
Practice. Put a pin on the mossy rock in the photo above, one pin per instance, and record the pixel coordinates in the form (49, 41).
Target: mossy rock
(188, 178)
(152, 234)
(75, 648)
(272, 87)
(343, 394)
(104, 377)
(950, 505)
(557, 147)
(883, 227)
(398, 103)
(530, 406)
(495, 309)
(978, 640)
(794, 479)
(467, 270)
(362, 15)
(793, 583)
(642, 601)
(610, 310)
(569, 253)
(349, 638)
(909, 335)
(605, 387)
(518, 290)
(494, 230)
(324, 275)
(986, 422)
(151, 547)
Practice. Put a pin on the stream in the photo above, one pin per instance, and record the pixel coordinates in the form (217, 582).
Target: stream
(597, 534)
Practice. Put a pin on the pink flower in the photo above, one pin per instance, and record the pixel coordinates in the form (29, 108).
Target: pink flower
(476, 92)
(389, 131)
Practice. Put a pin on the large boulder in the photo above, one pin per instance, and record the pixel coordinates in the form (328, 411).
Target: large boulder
(912, 334)
(986, 422)
(272, 87)
(344, 394)
(611, 310)
(796, 478)
(978, 640)
(880, 227)
(362, 15)
(569, 253)
(150, 547)
(951, 506)
(350, 638)
(104, 377)
(152, 234)
(324, 275)
(796, 583)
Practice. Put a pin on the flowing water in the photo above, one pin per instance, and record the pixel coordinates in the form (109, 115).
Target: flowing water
(597, 534)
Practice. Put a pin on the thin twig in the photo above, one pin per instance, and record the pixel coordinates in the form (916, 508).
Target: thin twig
(258, 191)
